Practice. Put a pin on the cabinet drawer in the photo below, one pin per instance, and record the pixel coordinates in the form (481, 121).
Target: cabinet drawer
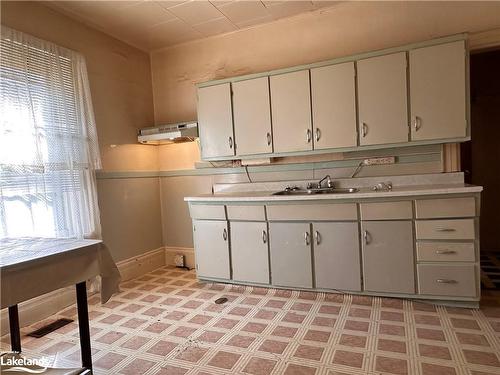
(462, 229)
(447, 280)
(445, 252)
(207, 212)
(246, 212)
(311, 212)
(448, 207)
(386, 210)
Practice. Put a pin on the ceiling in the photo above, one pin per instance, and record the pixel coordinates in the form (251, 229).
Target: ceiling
(151, 25)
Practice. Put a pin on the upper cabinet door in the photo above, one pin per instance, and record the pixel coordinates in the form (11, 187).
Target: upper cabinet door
(291, 112)
(215, 121)
(333, 90)
(382, 97)
(252, 116)
(438, 92)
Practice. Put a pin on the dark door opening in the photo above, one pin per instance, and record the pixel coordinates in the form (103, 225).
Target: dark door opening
(480, 157)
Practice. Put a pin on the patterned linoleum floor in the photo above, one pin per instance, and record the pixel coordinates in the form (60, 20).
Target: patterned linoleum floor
(166, 323)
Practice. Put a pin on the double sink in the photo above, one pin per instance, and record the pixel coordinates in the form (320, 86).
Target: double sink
(312, 191)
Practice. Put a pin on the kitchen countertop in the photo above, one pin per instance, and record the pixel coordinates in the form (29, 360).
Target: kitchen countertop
(397, 191)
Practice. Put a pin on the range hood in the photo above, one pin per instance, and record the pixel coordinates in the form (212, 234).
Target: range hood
(170, 133)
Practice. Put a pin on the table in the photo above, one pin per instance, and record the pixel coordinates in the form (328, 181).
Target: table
(30, 267)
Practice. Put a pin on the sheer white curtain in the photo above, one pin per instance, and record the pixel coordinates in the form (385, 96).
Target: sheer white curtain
(48, 141)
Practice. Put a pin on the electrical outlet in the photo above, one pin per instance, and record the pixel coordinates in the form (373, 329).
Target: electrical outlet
(380, 161)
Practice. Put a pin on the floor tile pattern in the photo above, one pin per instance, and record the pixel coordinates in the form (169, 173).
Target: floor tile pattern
(166, 323)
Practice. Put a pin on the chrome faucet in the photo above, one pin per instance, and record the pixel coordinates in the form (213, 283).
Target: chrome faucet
(329, 183)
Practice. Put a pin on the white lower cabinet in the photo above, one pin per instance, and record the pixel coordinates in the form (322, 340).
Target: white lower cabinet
(249, 251)
(291, 257)
(336, 256)
(211, 244)
(388, 261)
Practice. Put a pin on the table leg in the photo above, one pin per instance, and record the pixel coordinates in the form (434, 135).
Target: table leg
(83, 325)
(15, 334)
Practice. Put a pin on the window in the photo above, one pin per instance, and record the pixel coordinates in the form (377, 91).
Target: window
(48, 141)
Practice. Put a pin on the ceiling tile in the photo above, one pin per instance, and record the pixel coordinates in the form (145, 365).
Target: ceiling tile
(255, 21)
(196, 12)
(324, 3)
(169, 33)
(242, 11)
(214, 27)
(144, 15)
(169, 3)
(288, 8)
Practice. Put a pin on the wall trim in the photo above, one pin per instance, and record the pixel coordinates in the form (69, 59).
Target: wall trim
(43, 306)
(415, 154)
(139, 265)
(188, 253)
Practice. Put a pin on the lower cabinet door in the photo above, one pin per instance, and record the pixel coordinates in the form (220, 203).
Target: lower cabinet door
(337, 262)
(388, 262)
(211, 246)
(249, 251)
(290, 248)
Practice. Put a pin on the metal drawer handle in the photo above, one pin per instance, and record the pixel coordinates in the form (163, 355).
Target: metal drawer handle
(446, 229)
(364, 129)
(269, 139)
(416, 123)
(307, 238)
(224, 234)
(230, 142)
(264, 236)
(318, 134)
(446, 281)
(445, 252)
(366, 236)
(308, 135)
(318, 237)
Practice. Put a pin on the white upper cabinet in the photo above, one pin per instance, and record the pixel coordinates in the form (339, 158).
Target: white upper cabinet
(215, 121)
(382, 99)
(252, 116)
(438, 91)
(333, 90)
(291, 111)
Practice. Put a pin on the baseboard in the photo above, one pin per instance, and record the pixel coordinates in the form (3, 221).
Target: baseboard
(42, 307)
(188, 252)
(142, 264)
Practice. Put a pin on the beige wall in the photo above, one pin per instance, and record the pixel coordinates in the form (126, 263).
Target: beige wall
(349, 28)
(120, 82)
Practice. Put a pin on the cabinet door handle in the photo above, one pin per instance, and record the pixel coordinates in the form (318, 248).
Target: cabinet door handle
(307, 238)
(230, 142)
(446, 281)
(269, 139)
(264, 236)
(224, 234)
(318, 134)
(308, 135)
(445, 252)
(446, 229)
(318, 237)
(366, 237)
(416, 123)
(364, 129)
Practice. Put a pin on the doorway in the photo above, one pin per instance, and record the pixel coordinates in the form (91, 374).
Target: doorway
(481, 156)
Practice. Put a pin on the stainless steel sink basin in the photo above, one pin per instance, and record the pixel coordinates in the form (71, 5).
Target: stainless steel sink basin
(316, 191)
